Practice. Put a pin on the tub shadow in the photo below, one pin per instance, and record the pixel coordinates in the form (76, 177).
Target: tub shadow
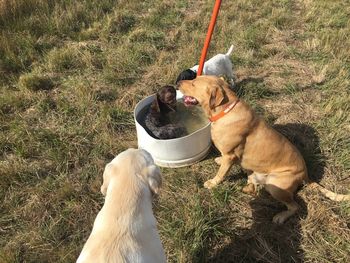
(265, 241)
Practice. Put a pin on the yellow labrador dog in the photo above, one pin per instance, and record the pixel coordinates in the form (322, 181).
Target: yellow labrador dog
(125, 230)
(243, 138)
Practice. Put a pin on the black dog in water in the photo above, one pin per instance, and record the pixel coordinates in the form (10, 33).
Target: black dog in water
(157, 120)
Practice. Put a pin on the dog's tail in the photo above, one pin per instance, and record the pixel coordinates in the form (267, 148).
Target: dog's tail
(229, 51)
(329, 194)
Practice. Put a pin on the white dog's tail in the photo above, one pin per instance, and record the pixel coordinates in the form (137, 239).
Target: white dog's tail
(229, 51)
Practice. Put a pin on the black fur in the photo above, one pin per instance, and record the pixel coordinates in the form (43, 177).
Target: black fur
(157, 120)
(186, 75)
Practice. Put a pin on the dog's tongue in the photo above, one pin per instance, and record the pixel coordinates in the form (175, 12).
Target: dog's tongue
(189, 101)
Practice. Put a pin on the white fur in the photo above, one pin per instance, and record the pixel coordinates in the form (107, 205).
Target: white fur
(125, 229)
(218, 65)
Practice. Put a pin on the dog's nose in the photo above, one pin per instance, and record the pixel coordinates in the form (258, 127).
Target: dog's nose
(170, 97)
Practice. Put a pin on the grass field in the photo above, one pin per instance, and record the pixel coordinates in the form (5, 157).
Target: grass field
(71, 73)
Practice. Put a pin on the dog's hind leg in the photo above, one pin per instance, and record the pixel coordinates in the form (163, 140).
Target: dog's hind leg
(229, 74)
(281, 217)
(287, 198)
(225, 165)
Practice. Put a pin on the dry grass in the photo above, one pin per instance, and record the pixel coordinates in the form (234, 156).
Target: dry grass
(71, 73)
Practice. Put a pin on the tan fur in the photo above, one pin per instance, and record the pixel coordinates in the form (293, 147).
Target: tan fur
(125, 229)
(243, 138)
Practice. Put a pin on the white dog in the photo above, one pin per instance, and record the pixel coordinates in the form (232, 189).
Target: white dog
(125, 229)
(218, 65)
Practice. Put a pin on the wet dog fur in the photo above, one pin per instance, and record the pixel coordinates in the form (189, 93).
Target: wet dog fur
(157, 120)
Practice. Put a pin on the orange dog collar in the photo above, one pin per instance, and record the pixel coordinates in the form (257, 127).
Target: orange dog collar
(224, 112)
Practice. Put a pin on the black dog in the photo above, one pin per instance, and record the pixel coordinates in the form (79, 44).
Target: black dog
(157, 119)
(187, 74)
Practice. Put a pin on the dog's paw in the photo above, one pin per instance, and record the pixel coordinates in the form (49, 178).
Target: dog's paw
(218, 160)
(210, 184)
(249, 189)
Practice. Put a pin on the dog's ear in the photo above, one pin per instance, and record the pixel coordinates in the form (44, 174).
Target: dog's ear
(216, 96)
(155, 104)
(107, 173)
(154, 178)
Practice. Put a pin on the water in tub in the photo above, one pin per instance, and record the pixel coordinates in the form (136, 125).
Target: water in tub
(193, 118)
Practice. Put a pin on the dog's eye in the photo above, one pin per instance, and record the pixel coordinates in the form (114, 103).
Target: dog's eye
(169, 97)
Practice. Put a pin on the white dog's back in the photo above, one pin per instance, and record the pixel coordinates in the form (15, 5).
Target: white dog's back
(218, 65)
(125, 230)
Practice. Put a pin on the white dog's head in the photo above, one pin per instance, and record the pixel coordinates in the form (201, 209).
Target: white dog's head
(133, 162)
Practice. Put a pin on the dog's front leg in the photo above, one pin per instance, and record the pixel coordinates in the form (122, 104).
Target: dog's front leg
(225, 165)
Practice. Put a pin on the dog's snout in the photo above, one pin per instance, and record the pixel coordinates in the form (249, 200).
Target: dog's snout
(178, 84)
(170, 97)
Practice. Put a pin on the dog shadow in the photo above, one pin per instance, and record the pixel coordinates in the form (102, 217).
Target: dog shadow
(265, 241)
(306, 139)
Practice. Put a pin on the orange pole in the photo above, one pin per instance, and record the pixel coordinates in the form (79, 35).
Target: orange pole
(208, 37)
